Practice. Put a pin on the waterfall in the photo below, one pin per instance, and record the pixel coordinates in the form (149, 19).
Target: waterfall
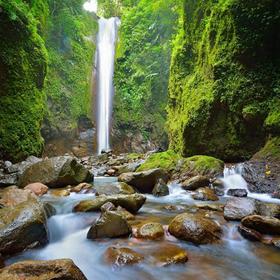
(105, 54)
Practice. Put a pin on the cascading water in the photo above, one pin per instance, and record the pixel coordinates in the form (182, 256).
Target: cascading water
(105, 54)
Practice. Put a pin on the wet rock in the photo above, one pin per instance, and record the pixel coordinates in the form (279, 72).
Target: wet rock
(211, 207)
(43, 270)
(144, 181)
(114, 188)
(56, 172)
(109, 225)
(205, 194)
(82, 187)
(160, 189)
(195, 228)
(2, 262)
(150, 231)
(13, 196)
(132, 202)
(249, 234)
(108, 206)
(122, 256)
(168, 255)
(195, 183)
(20, 167)
(218, 187)
(237, 192)
(262, 224)
(60, 192)
(130, 167)
(49, 209)
(125, 214)
(22, 226)
(237, 208)
(276, 194)
(276, 243)
(268, 209)
(38, 189)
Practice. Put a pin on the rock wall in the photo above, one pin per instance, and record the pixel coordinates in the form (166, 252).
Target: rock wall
(224, 86)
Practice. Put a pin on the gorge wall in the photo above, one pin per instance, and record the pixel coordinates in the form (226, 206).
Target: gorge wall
(224, 85)
(46, 54)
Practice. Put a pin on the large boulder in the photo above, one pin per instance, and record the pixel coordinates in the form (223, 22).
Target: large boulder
(43, 270)
(269, 209)
(144, 181)
(118, 257)
(160, 189)
(56, 172)
(262, 224)
(150, 231)
(109, 225)
(22, 226)
(195, 228)
(195, 183)
(249, 233)
(205, 194)
(237, 208)
(114, 188)
(132, 202)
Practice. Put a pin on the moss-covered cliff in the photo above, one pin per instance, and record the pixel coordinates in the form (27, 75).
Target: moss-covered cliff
(23, 63)
(36, 36)
(224, 87)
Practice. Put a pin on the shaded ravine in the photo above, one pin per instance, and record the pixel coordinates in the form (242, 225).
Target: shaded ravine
(233, 258)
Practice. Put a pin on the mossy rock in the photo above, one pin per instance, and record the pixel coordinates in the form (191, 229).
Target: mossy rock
(203, 165)
(270, 151)
(165, 160)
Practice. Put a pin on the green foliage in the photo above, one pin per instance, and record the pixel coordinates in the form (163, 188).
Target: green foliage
(70, 44)
(224, 78)
(142, 66)
(271, 150)
(165, 160)
(23, 63)
(203, 165)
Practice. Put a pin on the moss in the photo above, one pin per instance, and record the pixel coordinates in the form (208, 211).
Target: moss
(23, 63)
(271, 150)
(134, 156)
(224, 76)
(165, 160)
(203, 165)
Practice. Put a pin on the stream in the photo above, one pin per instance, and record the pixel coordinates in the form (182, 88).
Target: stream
(233, 258)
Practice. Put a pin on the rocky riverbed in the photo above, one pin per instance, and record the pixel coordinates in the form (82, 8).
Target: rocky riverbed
(102, 218)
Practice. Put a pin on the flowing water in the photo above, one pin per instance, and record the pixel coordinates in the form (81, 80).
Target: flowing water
(233, 258)
(105, 55)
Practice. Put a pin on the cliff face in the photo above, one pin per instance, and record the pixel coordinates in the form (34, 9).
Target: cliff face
(224, 87)
(23, 63)
(36, 35)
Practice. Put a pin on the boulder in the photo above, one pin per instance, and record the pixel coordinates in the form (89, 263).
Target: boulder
(205, 194)
(211, 207)
(195, 228)
(38, 189)
(132, 202)
(237, 192)
(195, 183)
(262, 224)
(160, 189)
(218, 186)
(60, 192)
(7, 180)
(56, 172)
(42, 270)
(249, 234)
(237, 208)
(169, 254)
(109, 225)
(150, 231)
(22, 226)
(114, 188)
(108, 206)
(125, 214)
(144, 181)
(122, 256)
